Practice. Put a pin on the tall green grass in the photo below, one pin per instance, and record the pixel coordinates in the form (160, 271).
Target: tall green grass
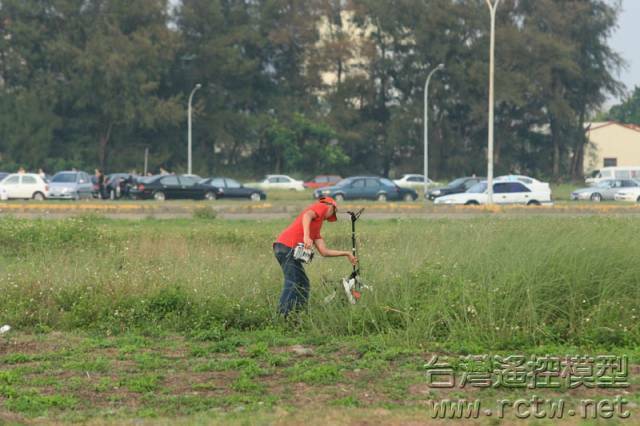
(490, 282)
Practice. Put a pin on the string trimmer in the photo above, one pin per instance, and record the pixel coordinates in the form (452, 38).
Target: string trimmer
(353, 285)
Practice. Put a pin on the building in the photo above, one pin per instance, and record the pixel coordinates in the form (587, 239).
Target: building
(611, 144)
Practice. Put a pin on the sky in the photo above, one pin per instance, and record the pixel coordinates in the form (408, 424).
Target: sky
(625, 42)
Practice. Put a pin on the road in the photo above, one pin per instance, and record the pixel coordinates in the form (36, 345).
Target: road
(289, 208)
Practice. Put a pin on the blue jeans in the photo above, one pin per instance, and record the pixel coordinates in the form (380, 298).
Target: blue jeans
(295, 293)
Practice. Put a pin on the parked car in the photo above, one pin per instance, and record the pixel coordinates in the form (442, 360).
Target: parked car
(96, 191)
(628, 194)
(603, 190)
(321, 181)
(230, 188)
(456, 186)
(504, 192)
(70, 185)
(3, 175)
(413, 182)
(520, 178)
(118, 185)
(24, 186)
(531, 182)
(280, 182)
(614, 173)
(164, 187)
(366, 187)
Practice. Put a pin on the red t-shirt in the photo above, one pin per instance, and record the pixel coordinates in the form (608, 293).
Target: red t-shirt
(294, 233)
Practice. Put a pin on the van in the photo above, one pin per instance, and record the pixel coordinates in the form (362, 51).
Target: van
(629, 172)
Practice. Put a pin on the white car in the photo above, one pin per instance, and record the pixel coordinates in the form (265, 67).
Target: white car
(529, 181)
(504, 192)
(413, 181)
(24, 186)
(280, 182)
(628, 194)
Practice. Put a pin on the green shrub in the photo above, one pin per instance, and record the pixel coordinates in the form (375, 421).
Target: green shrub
(205, 213)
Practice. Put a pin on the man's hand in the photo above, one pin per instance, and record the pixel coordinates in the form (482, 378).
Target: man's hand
(352, 259)
(308, 242)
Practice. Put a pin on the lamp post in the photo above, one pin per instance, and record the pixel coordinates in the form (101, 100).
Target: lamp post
(195, 89)
(492, 8)
(426, 129)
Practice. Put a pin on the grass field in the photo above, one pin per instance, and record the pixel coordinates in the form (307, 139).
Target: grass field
(174, 320)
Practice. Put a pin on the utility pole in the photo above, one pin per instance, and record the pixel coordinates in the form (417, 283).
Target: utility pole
(492, 8)
(195, 89)
(426, 130)
(146, 160)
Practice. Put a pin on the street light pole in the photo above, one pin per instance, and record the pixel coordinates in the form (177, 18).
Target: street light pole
(426, 129)
(492, 8)
(195, 89)
(146, 160)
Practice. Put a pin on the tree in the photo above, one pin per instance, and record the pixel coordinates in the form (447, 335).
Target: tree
(578, 74)
(628, 111)
(302, 85)
(113, 76)
(100, 64)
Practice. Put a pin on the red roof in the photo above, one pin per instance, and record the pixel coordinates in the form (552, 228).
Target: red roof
(634, 127)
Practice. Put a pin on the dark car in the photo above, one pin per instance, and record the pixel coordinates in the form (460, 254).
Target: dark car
(230, 188)
(456, 186)
(165, 187)
(3, 175)
(118, 185)
(367, 187)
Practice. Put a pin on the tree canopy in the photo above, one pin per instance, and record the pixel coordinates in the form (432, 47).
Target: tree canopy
(628, 111)
(302, 86)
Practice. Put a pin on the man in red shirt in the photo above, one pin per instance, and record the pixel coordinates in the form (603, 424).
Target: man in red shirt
(304, 229)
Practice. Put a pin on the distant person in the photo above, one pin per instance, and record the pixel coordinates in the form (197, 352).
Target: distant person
(21, 170)
(125, 185)
(100, 181)
(42, 174)
(164, 172)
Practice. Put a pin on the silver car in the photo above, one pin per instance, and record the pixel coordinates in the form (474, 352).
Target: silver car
(604, 190)
(70, 185)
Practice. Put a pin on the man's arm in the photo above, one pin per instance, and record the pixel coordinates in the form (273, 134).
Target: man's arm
(306, 226)
(327, 252)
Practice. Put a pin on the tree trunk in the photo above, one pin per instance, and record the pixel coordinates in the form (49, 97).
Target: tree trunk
(386, 168)
(437, 161)
(104, 141)
(577, 163)
(555, 141)
(234, 152)
(496, 151)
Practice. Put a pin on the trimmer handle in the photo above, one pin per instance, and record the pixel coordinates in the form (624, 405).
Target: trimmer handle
(354, 217)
